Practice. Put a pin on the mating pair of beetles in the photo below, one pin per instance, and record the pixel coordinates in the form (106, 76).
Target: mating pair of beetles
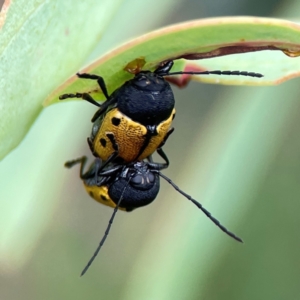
(133, 123)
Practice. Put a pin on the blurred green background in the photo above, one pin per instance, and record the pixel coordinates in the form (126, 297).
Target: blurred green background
(235, 149)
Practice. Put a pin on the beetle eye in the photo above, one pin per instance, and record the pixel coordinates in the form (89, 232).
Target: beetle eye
(142, 81)
(138, 179)
(151, 177)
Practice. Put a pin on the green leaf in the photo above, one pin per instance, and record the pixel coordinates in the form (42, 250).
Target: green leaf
(45, 42)
(207, 38)
(42, 43)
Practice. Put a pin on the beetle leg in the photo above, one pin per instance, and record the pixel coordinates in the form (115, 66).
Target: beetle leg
(82, 160)
(99, 79)
(84, 96)
(171, 130)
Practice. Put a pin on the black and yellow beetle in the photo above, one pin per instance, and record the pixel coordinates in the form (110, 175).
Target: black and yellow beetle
(126, 187)
(107, 186)
(135, 120)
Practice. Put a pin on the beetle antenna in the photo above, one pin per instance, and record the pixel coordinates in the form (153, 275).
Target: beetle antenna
(106, 231)
(206, 212)
(218, 72)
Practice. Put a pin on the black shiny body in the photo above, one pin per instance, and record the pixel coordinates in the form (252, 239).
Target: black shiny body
(147, 98)
(142, 189)
(136, 184)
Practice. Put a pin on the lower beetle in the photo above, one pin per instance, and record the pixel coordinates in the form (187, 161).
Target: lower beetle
(126, 187)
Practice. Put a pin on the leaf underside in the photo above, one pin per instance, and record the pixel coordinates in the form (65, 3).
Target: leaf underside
(269, 46)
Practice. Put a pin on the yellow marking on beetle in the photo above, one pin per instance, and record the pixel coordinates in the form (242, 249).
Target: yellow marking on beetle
(129, 135)
(100, 194)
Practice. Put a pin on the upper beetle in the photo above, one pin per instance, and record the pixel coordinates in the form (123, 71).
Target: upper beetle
(135, 120)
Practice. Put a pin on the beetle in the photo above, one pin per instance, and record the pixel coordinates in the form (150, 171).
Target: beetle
(106, 186)
(135, 120)
(127, 187)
